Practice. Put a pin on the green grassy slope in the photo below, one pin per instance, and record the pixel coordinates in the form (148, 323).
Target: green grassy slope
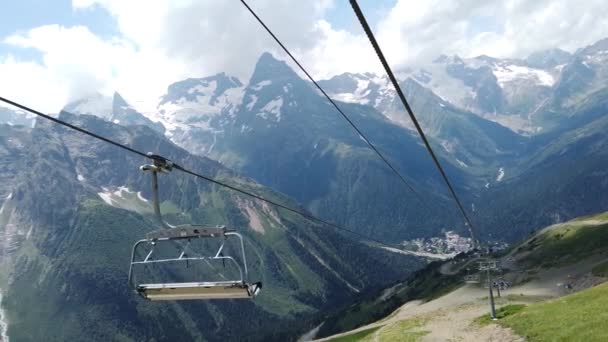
(566, 243)
(578, 317)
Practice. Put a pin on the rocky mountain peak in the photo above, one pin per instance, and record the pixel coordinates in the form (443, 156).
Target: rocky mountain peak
(270, 68)
(548, 58)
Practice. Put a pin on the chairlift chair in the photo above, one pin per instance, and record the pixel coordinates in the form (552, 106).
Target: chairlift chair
(239, 288)
(471, 279)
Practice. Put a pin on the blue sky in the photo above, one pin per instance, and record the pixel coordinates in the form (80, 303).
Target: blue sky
(341, 17)
(22, 15)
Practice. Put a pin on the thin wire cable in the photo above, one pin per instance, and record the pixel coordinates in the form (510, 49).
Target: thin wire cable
(332, 101)
(63, 123)
(198, 175)
(389, 72)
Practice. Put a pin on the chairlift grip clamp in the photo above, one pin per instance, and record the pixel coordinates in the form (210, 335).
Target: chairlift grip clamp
(159, 164)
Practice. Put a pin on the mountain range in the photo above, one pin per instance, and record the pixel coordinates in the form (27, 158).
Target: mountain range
(492, 121)
(523, 141)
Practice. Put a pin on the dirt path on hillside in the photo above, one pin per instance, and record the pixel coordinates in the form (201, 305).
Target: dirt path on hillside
(435, 308)
(450, 316)
(458, 325)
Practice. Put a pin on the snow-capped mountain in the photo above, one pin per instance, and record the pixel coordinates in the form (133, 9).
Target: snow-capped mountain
(194, 110)
(520, 94)
(504, 91)
(114, 109)
(196, 102)
(366, 89)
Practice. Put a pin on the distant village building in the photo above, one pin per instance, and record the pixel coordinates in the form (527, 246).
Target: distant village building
(448, 245)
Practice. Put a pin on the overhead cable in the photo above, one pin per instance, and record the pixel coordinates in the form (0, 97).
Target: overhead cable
(389, 72)
(361, 134)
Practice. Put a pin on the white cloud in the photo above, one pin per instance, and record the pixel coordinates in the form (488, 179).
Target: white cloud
(212, 36)
(75, 63)
(415, 32)
(164, 41)
(339, 51)
(75, 57)
(31, 84)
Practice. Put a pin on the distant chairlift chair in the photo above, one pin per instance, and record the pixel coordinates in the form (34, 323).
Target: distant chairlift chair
(231, 289)
(471, 279)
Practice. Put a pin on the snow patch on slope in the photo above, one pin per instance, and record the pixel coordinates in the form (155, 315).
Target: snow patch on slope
(206, 89)
(184, 114)
(112, 197)
(253, 101)
(198, 110)
(261, 85)
(509, 73)
(365, 92)
(273, 107)
(448, 88)
(501, 174)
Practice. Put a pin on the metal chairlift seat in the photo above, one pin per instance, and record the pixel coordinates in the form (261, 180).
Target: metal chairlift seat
(471, 279)
(226, 289)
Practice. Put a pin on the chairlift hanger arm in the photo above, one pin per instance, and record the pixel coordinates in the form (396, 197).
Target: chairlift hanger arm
(159, 164)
